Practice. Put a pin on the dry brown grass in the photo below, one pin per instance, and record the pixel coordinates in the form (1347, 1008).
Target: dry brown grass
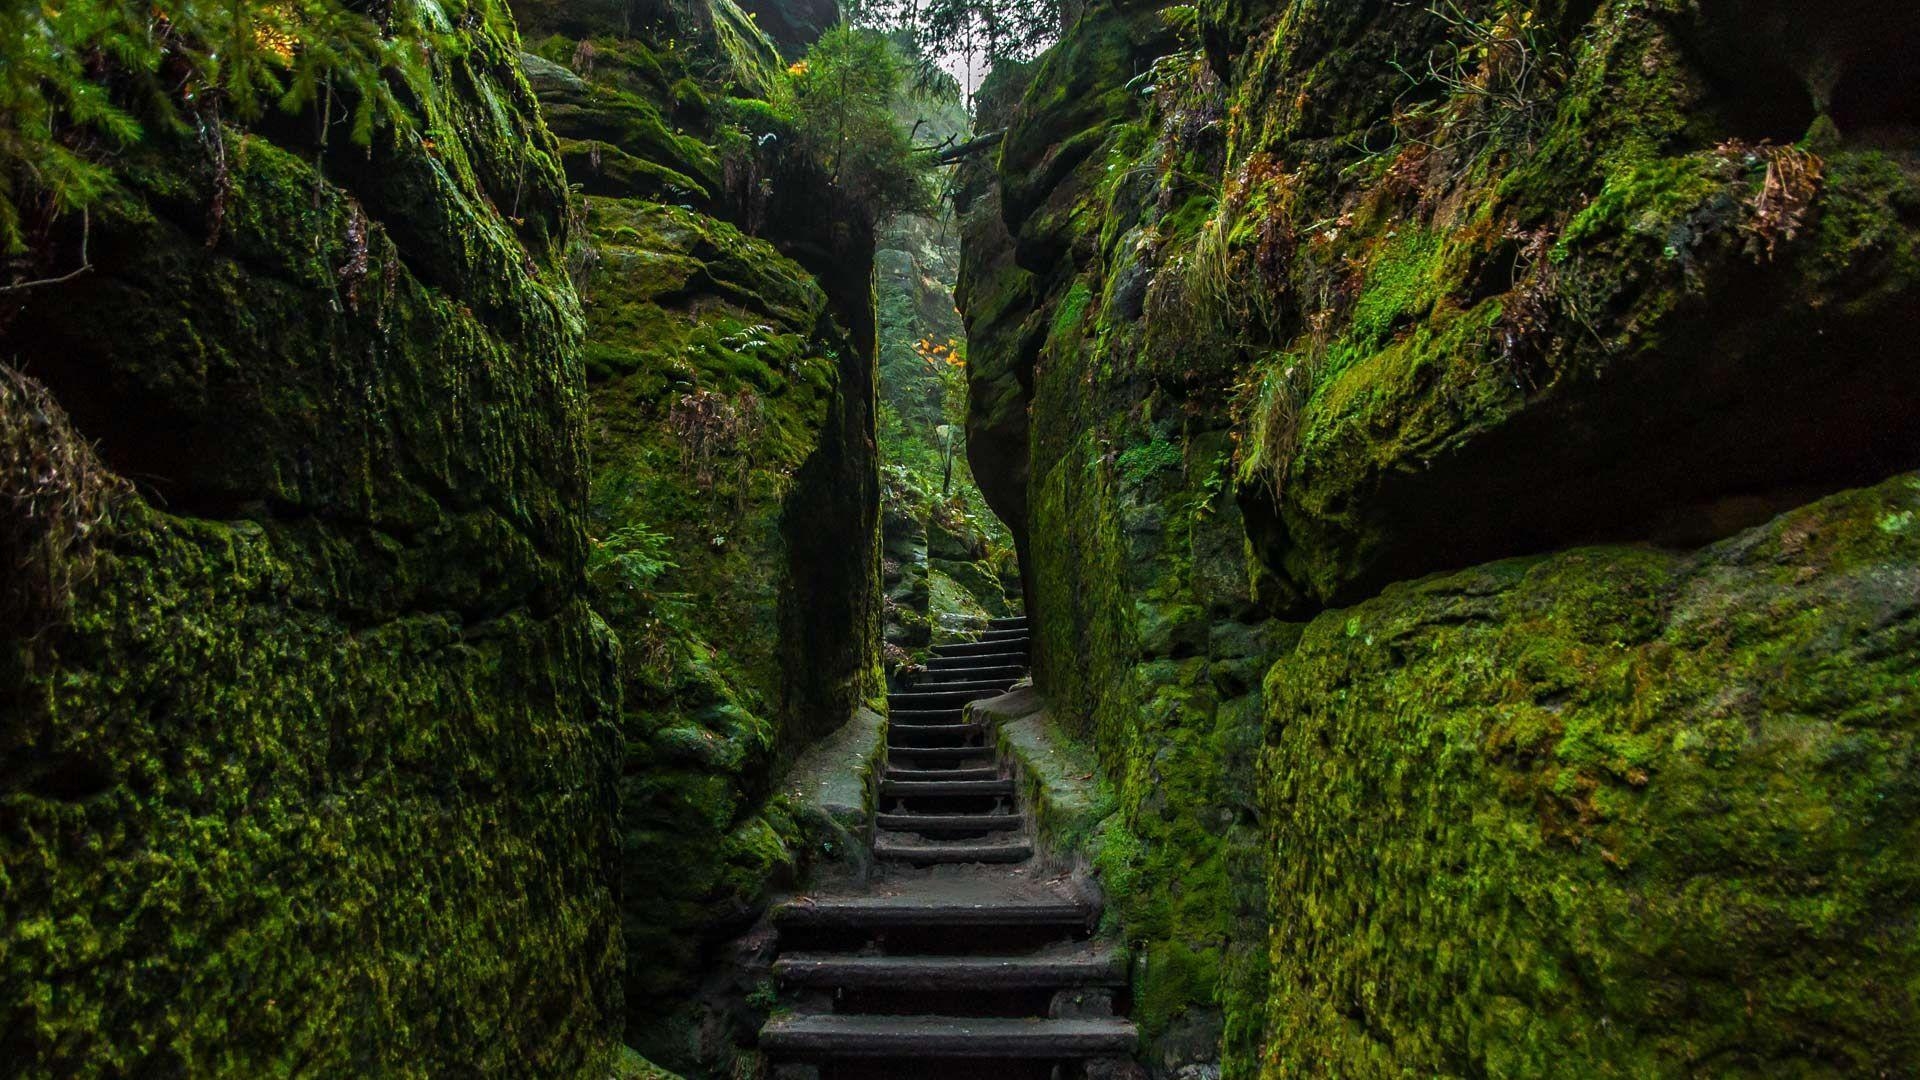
(55, 497)
(1780, 209)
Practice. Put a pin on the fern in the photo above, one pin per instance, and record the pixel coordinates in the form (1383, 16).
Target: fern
(83, 79)
(632, 558)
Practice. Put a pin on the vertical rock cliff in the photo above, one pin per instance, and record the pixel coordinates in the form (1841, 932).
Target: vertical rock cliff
(1277, 308)
(730, 347)
(306, 750)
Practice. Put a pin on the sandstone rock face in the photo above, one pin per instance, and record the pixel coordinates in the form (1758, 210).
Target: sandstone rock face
(1671, 791)
(310, 756)
(735, 500)
(1288, 302)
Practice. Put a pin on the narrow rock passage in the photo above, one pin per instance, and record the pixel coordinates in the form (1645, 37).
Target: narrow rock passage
(964, 957)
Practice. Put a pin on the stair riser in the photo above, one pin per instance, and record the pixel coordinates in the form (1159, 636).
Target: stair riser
(944, 1001)
(945, 804)
(921, 738)
(990, 857)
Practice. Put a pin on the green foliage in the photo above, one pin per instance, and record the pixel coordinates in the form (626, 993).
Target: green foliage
(1139, 463)
(841, 99)
(631, 559)
(84, 79)
(991, 30)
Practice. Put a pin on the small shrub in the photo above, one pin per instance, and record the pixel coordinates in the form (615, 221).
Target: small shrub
(841, 97)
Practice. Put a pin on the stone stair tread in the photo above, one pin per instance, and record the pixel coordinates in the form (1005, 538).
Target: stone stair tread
(907, 789)
(941, 752)
(907, 699)
(936, 904)
(966, 662)
(982, 648)
(939, 823)
(955, 686)
(928, 852)
(922, 716)
(1009, 674)
(1077, 964)
(947, 1036)
(958, 772)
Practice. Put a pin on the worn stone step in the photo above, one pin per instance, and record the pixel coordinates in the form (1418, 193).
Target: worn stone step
(979, 688)
(1004, 635)
(946, 1036)
(982, 772)
(924, 716)
(1006, 676)
(941, 824)
(933, 911)
(892, 848)
(1008, 622)
(1084, 964)
(945, 789)
(935, 699)
(982, 648)
(973, 661)
(940, 753)
(906, 737)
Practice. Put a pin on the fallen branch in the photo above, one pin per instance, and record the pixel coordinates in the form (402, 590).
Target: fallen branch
(86, 231)
(969, 148)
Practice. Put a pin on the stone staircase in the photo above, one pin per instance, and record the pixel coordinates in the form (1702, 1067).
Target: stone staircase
(963, 958)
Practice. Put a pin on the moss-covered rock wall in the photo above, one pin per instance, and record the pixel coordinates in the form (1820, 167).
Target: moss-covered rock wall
(1613, 811)
(1274, 304)
(730, 348)
(306, 750)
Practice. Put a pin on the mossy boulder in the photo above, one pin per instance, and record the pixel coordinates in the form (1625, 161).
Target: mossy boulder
(1617, 810)
(311, 766)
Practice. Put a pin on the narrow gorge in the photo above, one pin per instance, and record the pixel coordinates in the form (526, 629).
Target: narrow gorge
(683, 539)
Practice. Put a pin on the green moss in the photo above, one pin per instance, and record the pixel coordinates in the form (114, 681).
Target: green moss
(1651, 199)
(1522, 755)
(316, 773)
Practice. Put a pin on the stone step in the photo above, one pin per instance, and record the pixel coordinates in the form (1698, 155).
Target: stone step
(979, 687)
(982, 648)
(982, 772)
(924, 716)
(932, 911)
(891, 848)
(1071, 966)
(1006, 676)
(940, 753)
(974, 661)
(939, 824)
(910, 700)
(945, 789)
(908, 736)
(922, 1037)
(1017, 634)
(1008, 622)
